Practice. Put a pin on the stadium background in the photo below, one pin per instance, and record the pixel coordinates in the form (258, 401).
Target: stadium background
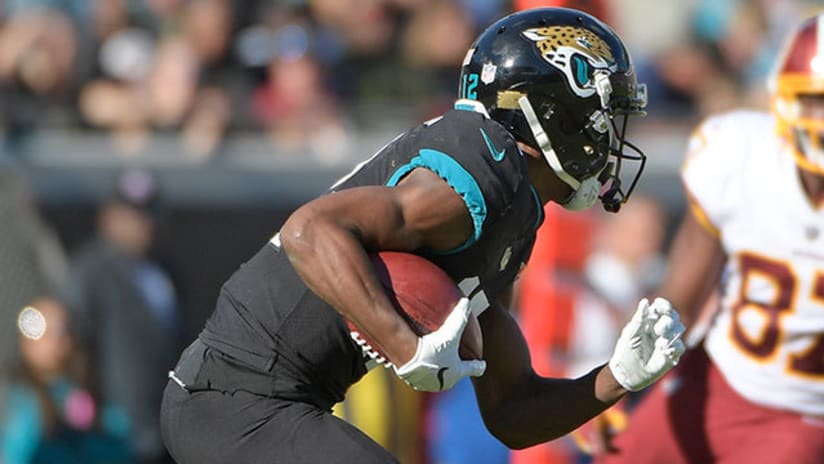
(243, 110)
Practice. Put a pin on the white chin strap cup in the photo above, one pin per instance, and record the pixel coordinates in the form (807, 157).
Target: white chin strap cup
(586, 192)
(585, 196)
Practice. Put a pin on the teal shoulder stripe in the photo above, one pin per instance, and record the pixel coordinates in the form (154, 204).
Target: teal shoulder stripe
(464, 107)
(458, 178)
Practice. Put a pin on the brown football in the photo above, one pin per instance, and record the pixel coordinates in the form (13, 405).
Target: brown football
(423, 294)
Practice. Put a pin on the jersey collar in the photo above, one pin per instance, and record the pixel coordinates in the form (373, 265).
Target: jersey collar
(471, 105)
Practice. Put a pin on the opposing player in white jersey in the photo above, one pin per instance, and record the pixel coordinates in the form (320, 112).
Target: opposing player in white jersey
(753, 389)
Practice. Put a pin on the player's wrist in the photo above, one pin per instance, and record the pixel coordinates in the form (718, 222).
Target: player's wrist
(619, 377)
(404, 346)
(401, 367)
(608, 389)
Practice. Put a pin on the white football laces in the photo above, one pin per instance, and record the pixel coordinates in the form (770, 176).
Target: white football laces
(373, 358)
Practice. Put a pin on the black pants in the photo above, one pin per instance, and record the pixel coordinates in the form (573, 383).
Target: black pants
(204, 426)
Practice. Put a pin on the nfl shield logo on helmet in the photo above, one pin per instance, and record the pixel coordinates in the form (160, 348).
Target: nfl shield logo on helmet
(488, 73)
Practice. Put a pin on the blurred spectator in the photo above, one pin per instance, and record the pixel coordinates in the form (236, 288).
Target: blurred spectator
(433, 44)
(32, 258)
(207, 27)
(646, 38)
(52, 414)
(680, 77)
(160, 17)
(722, 57)
(73, 9)
(171, 83)
(207, 124)
(364, 27)
(108, 17)
(37, 62)
(128, 308)
(296, 110)
(437, 36)
(144, 66)
(173, 79)
(157, 89)
(484, 12)
(627, 261)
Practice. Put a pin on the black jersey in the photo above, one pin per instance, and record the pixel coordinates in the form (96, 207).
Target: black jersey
(266, 317)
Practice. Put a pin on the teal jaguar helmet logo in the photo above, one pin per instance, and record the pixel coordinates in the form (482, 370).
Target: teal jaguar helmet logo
(577, 52)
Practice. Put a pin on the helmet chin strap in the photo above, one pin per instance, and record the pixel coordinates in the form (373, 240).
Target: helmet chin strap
(585, 193)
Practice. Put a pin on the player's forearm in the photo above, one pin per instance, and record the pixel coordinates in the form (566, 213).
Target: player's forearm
(521, 408)
(696, 261)
(335, 266)
(551, 408)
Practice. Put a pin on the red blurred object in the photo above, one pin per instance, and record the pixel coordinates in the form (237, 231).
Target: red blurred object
(803, 50)
(597, 8)
(548, 288)
(546, 298)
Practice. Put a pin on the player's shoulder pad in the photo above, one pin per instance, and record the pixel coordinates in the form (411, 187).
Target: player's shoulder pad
(721, 153)
(476, 155)
(735, 123)
(725, 137)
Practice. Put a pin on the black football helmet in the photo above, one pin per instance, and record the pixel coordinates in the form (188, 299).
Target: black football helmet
(559, 80)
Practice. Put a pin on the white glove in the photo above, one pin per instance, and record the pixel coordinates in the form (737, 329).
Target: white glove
(649, 345)
(436, 365)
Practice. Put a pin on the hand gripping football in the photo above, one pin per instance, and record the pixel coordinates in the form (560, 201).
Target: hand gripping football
(424, 295)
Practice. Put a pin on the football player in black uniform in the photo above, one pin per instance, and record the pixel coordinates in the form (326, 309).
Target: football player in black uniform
(544, 98)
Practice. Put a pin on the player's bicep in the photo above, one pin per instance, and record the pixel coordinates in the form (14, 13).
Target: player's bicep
(434, 211)
(421, 211)
(507, 359)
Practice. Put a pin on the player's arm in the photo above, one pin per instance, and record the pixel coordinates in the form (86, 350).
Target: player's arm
(696, 259)
(523, 409)
(328, 238)
(696, 256)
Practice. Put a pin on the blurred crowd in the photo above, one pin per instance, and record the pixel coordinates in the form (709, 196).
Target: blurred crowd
(301, 72)
(311, 74)
(308, 76)
(88, 335)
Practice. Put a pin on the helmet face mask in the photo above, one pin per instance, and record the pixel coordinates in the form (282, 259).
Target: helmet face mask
(797, 94)
(808, 130)
(560, 80)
